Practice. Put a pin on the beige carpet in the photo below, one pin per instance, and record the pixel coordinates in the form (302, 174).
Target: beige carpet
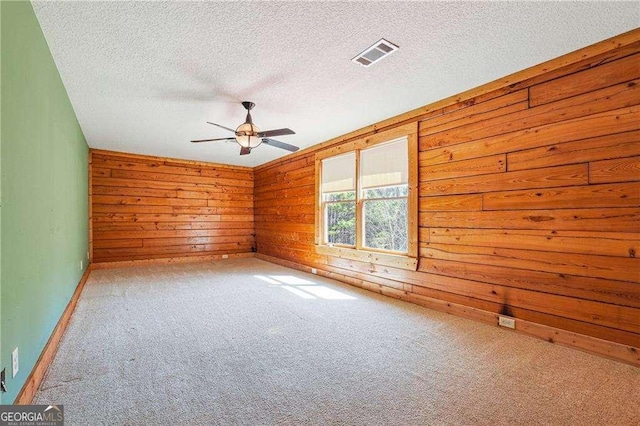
(246, 342)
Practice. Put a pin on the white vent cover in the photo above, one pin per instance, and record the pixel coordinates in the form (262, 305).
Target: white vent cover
(380, 49)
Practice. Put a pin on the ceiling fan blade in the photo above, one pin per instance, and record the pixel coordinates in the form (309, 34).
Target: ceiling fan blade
(279, 144)
(222, 127)
(276, 132)
(245, 151)
(213, 140)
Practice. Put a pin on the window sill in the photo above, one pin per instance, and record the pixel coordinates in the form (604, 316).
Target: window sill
(377, 258)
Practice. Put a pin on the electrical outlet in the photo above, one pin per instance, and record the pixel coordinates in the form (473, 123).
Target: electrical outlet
(15, 362)
(314, 271)
(87, 255)
(225, 256)
(81, 264)
(507, 322)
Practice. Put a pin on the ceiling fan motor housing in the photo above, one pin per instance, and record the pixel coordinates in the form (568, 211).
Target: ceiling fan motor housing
(247, 135)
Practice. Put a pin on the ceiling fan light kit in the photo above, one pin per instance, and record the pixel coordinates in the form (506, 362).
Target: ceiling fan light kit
(248, 136)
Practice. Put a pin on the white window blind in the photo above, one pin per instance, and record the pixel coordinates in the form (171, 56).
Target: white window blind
(339, 173)
(384, 165)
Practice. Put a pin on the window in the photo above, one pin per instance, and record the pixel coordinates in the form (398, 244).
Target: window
(339, 199)
(367, 198)
(384, 183)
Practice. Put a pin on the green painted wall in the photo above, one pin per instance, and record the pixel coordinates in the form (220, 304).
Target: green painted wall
(43, 184)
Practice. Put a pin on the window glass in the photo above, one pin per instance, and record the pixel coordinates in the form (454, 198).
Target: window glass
(339, 199)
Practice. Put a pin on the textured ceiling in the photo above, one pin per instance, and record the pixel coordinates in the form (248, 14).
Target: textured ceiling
(144, 77)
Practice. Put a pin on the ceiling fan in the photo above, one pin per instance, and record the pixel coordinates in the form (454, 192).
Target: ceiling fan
(248, 136)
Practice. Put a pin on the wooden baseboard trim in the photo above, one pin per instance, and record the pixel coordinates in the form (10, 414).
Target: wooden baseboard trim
(611, 350)
(168, 260)
(36, 376)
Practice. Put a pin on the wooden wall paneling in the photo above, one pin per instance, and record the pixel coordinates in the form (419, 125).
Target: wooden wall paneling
(463, 202)
(476, 112)
(615, 268)
(575, 174)
(611, 219)
(620, 71)
(617, 145)
(615, 97)
(615, 170)
(602, 124)
(588, 196)
(587, 242)
(529, 203)
(472, 167)
(147, 208)
(623, 293)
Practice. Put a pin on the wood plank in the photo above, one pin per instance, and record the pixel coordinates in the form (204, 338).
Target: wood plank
(283, 166)
(370, 257)
(476, 112)
(285, 202)
(463, 202)
(218, 196)
(126, 174)
(575, 174)
(275, 237)
(591, 126)
(297, 192)
(177, 186)
(165, 250)
(149, 166)
(604, 290)
(615, 170)
(591, 196)
(213, 242)
(109, 264)
(457, 169)
(588, 62)
(100, 172)
(133, 192)
(147, 201)
(610, 219)
(182, 233)
(585, 242)
(118, 208)
(279, 186)
(620, 71)
(287, 227)
(618, 317)
(611, 98)
(608, 267)
(164, 258)
(101, 244)
(605, 147)
(124, 217)
(98, 153)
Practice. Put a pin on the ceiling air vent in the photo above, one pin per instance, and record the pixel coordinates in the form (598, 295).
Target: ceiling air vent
(380, 49)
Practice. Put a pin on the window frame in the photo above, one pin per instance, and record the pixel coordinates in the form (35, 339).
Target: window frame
(360, 252)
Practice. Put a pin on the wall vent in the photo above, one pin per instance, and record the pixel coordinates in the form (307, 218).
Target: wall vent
(372, 54)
